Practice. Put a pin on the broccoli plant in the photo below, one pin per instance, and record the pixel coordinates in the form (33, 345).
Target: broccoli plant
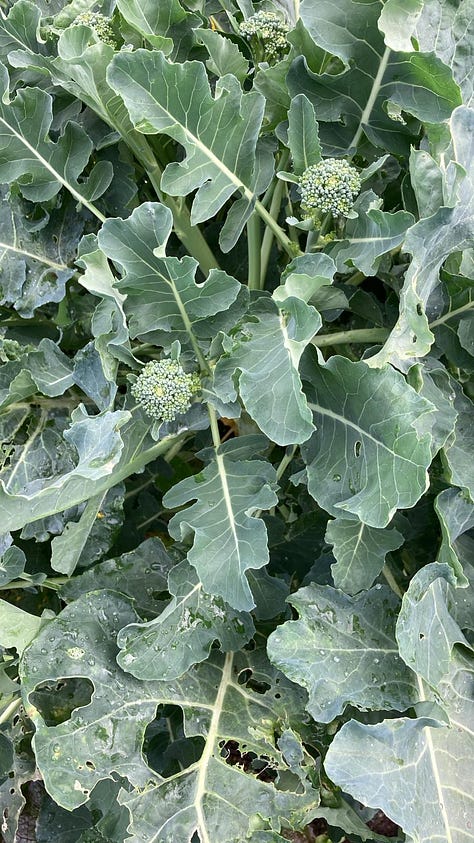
(236, 385)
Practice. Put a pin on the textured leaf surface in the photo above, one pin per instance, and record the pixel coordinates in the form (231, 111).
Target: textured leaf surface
(415, 82)
(228, 539)
(162, 295)
(218, 163)
(303, 137)
(107, 734)
(183, 633)
(360, 552)
(343, 651)
(456, 516)
(459, 449)
(416, 771)
(265, 353)
(366, 456)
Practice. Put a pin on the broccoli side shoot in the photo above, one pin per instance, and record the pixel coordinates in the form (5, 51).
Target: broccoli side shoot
(329, 187)
(101, 26)
(267, 33)
(165, 390)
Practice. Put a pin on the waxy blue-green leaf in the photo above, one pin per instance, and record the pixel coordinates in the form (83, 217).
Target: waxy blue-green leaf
(456, 516)
(426, 629)
(431, 241)
(162, 298)
(360, 552)
(162, 24)
(40, 165)
(12, 565)
(353, 103)
(444, 28)
(20, 28)
(218, 163)
(303, 137)
(18, 628)
(416, 771)
(67, 549)
(107, 735)
(224, 55)
(458, 450)
(367, 456)
(228, 537)
(372, 234)
(141, 574)
(262, 366)
(343, 651)
(183, 633)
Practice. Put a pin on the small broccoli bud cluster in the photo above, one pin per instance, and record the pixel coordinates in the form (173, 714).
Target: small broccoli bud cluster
(101, 26)
(268, 29)
(165, 390)
(329, 187)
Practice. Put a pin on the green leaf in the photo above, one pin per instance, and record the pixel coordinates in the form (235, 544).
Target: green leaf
(398, 20)
(458, 450)
(161, 24)
(426, 631)
(107, 735)
(456, 516)
(66, 549)
(430, 242)
(20, 28)
(228, 537)
(266, 350)
(343, 651)
(18, 628)
(163, 299)
(12, 565)
(416, 771)
(30, 157)
(217, 164)
(360, 552)
(371, 235)
(374, 84)
(142, 574)
(367, 456)
(303, 137)
(224, 55)
(183, 633)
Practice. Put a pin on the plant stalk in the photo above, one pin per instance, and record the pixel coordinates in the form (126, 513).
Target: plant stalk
(9, 710)
(358, 335)
(253, 246)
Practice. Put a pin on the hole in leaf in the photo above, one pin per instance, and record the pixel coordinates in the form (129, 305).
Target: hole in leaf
(237, 755)
(357, 447)
(421, 636)
(56, 701)
(246, 678)
(419, 310)
(166, 747)
(414, 338)
(90, 765)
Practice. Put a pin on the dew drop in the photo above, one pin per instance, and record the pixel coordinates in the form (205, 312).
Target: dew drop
(336, 659)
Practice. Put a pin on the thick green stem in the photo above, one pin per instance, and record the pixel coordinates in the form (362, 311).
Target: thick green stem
(253, 245)
(216, 437)
(282, 238)
(359, 335)
(9, 710)
(387, 573)
(274, 210)
(54, 583)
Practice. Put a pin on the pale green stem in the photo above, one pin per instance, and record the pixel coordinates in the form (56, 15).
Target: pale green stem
(216, 437)
(9, 710)
(451, 314)
(387, 573)
(355, 279)
(359, 335)
(253, 246)
(365, 117)
(278, 232)
(54, 583)
(267, 242)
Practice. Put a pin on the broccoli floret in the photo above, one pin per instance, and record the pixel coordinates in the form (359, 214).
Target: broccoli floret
(329, 187)
(268, 31)
(101, 26)
(165, 390)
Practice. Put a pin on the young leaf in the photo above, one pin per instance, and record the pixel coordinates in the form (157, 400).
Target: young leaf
(303, 137)
(228, 537)
(183, 633)
(367, 456)
(360, 552)
(456, 517)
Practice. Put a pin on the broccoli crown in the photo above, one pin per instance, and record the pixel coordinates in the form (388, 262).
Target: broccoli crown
(164, 389)
(100, 24)
(329, 187)
(268, 28)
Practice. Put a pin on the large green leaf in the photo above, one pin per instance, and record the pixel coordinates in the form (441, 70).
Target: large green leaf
(360, 552)
(426, 630)
(162, 24)
(431, 241)
(435, 25)
(217, 163)
(107, 735)
(303, 138)
(265, 353)
(183, 633)
(354, 102)
(40, 165)
(367, 456)
(456, 516)
(343, 651)
(228, 537)
(163, 300)
(416, 771)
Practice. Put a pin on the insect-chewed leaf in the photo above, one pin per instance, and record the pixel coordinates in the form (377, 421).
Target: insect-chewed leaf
(367, 456)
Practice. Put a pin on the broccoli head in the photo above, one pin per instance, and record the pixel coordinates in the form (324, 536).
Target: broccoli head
(101, 26)
(165, 390)
(329, 187)
(268, 31)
